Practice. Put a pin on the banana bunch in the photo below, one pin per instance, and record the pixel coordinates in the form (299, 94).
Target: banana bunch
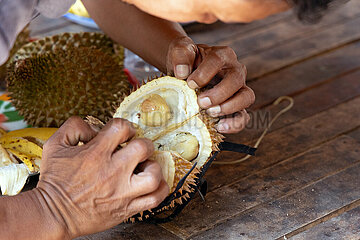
(20, 156)
(79, 9)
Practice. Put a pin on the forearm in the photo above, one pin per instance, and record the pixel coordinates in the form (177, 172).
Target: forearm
(140, 32)
(28, 216)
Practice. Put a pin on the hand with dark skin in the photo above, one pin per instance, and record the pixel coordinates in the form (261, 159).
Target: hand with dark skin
(87, 188)
(200, 64)
(165, 45)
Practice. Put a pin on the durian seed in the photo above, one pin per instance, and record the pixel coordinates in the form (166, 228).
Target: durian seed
(186, 145)
(154, 111)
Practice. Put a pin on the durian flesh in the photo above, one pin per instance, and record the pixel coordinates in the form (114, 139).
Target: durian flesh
(183, 117)
(181, 138)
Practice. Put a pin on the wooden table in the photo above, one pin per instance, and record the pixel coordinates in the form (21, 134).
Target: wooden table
(304, 182)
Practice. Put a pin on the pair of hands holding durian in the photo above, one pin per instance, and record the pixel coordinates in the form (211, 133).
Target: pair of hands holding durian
(203, 66)
(90, 188)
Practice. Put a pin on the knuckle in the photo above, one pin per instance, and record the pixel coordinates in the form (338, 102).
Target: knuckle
(244, 70)
(229, 53)
(154, 201)
(152, 182)
(141, 147)
(75, 120)
(251, 95)
(122, 126)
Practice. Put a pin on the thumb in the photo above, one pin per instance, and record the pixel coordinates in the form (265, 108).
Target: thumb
(181, 57)
(73, 131)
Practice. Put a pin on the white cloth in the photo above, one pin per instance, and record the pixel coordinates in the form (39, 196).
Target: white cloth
(16, 14)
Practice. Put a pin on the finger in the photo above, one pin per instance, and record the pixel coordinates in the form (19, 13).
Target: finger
(206, 71)
(234, 124)
(71, 133)
(241, 100)
(115, 132)
(150, 200)
(137, 151)
(213, 60)
(182, 56)
(232, 82)
(148, 180)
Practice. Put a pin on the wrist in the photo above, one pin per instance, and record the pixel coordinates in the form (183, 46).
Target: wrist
(51, 215)
(36, 216)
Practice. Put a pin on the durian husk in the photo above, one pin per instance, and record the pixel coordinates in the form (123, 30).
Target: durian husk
(21, 40)
(58, 77)
(182, 166)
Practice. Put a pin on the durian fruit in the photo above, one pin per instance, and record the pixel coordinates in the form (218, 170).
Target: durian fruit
(20, 157)
(57, 77)
(167, 112)
(21, 40)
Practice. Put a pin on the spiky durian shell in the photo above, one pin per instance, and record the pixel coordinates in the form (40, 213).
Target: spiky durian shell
(66, 41)
(182, 166)
(21, 39)
(47, 86)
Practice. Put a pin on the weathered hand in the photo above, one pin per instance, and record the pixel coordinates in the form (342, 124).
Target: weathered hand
(92, 187)
(202, 65)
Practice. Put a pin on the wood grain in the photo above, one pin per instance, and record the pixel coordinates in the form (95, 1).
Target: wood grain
(289, 53)
(287, 142)
(266, 185)
(343, 227)
(275, 219)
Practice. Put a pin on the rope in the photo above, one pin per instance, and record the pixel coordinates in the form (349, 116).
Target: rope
(277, 101)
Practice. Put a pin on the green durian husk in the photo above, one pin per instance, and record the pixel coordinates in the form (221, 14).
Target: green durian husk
(49, 86)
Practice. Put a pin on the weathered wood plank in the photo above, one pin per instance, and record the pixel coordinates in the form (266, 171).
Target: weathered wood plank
(355, 134)
(264, 186)
(277, 218)
(316, 99)
(302, 76)
(287, 142)
(345, 226)
(132, 232)
(285, 31)
(283, 55)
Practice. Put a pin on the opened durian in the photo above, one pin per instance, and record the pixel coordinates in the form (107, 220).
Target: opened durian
(70, 74)
(166, 111)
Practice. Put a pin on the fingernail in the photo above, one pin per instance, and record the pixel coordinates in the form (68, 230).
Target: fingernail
(214, 111)
(204, 102)
(192, 84)
(182, 71)
(221, 127)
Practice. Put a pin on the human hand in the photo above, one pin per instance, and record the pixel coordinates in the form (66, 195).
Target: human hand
(200, 65)
(93, 187)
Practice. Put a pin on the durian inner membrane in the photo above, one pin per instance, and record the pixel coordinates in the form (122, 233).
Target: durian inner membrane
(184, 111)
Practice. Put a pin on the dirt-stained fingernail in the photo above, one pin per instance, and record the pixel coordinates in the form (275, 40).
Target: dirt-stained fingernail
(182, 71)
(192, 84)
(222, 126)
(214, 111)
(204, 102)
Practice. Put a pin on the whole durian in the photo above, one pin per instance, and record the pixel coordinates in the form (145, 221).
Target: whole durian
(54, 78)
